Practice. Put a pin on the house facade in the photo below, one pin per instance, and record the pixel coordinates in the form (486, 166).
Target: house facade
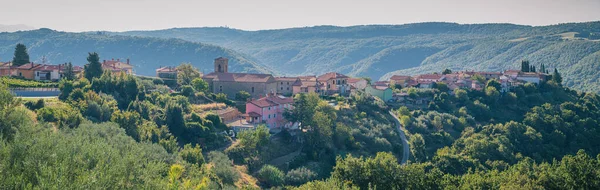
(285, 85)
(333, 83)
(382, 92)
(27, 71)
(269, 111)
(7, 69)
(168, 72)
(306, 84)
(358, 83)
(401, 80)
(116, 66)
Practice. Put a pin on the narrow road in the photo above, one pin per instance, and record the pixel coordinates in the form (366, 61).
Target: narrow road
(405, 146)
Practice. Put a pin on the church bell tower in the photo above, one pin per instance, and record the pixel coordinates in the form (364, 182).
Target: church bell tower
(221, 65)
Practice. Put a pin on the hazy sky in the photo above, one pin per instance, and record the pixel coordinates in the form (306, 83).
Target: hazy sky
(120, 15)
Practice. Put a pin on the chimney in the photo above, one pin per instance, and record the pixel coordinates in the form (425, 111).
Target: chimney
(127, 61)
(113, 59)
(118, 59)
(104, 61)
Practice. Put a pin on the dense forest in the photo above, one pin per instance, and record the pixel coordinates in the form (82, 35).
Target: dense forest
(378, 51)
(117, 131)
(146, 54)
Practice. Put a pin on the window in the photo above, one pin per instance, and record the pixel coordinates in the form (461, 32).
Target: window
(338, 81)
(288, 88)
(274, 115)
(252, 89)
(282, 88)
(269, 109)
(333, 81)
(220, 88)
(281, 83)
(288, 83)
(269, 116)
(37, 73)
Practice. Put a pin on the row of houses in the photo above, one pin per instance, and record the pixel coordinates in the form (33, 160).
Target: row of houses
(466, 79)
(258, 85)
(52, 72)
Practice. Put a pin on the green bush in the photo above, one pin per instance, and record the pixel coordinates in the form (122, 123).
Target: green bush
(271, 176)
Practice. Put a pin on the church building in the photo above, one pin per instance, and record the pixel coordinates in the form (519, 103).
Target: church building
(222, 81)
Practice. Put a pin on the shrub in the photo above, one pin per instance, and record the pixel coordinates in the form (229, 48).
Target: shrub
(192, 155)
(271, 176)
(187, 90)
(299, 176)
(35, 106)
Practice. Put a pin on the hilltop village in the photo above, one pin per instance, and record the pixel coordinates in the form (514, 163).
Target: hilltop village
(269, 96)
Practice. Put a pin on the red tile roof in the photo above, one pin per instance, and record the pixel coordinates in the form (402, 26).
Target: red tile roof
(29, 66)
(239, 77)
(167, 69)
(272, 100)
(330, 75)
(429, 76)
(286, 79)
(399, 77)
(354, 80)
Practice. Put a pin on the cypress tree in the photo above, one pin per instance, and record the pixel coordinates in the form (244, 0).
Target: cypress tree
(94, 68)
(556, 77)
(21, 56)
(525, 66)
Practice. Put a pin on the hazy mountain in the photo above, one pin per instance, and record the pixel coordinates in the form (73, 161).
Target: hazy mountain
(146, 54)
(377, 51)
(14, 28)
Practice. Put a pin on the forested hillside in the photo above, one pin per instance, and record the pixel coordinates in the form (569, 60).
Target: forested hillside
(146, 54)
(378, 51)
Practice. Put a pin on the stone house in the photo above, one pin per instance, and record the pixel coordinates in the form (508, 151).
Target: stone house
(358, 83)
(168, 72)
(400, 80)
(7, 69)
(285, 85)
(116, 66)
(333, 83)
(221, 81)
(306, 84)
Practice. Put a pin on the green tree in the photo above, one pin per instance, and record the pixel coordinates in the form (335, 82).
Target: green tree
(69, 74)
(447, 71)
(242, 96)
(556, 77)
(417, 147)
(94, 68)
(494, 83)
(21, 56)
(192, 154)
(271, 176)
(186, 74)
(200, 85)
(525, 66)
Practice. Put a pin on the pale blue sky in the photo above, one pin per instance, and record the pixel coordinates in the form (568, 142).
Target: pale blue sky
(121, 15)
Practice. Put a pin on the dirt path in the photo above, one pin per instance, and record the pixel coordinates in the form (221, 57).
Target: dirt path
(405, 146)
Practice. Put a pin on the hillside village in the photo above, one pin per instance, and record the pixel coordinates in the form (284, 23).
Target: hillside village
(271, 95)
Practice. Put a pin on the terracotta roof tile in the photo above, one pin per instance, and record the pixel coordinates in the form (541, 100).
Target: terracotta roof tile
(330, 75)
(239, 77)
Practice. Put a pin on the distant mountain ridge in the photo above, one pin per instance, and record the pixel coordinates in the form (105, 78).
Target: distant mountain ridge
(378, 51)
(146, 54)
